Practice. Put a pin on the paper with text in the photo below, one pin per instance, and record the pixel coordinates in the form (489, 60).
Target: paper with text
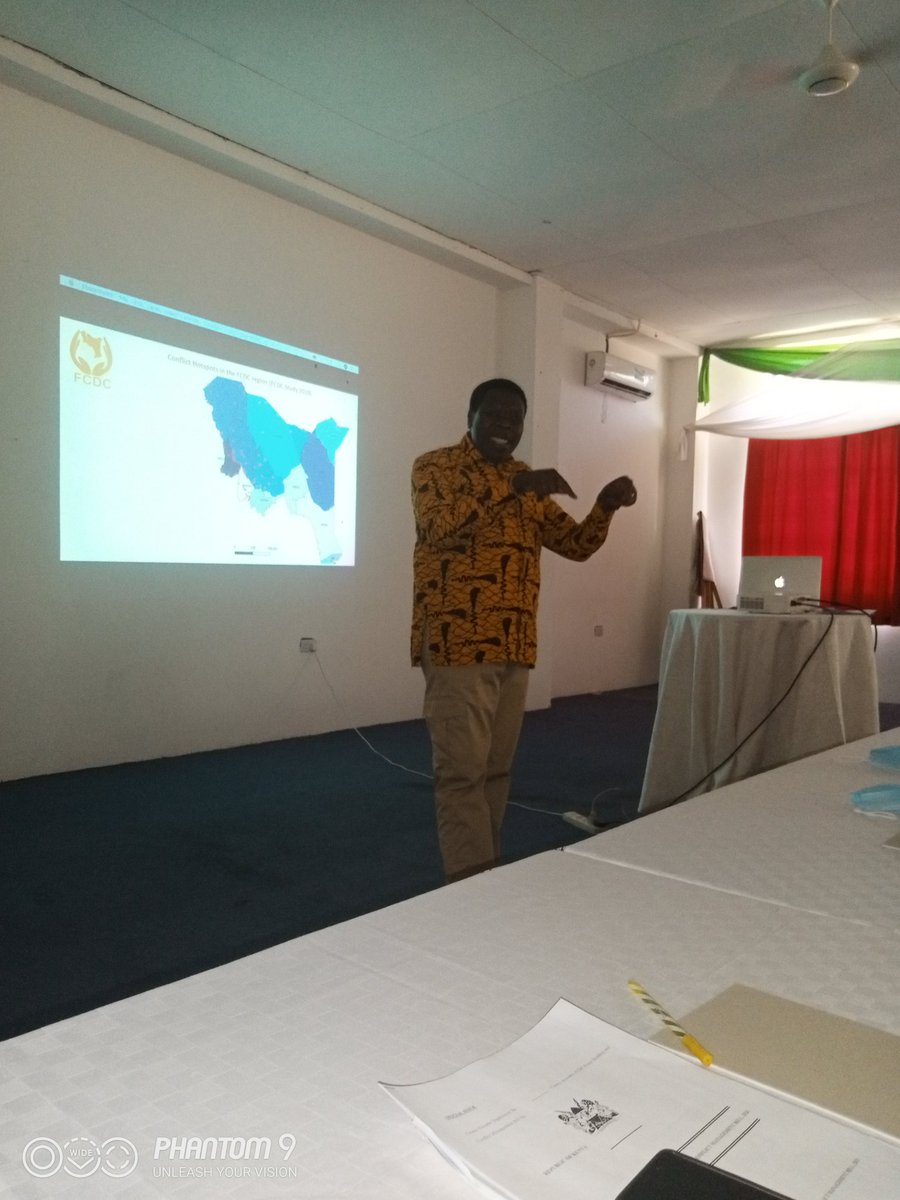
(575, 1107)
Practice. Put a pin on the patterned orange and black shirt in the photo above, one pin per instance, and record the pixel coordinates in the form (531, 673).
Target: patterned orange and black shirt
(477, 558)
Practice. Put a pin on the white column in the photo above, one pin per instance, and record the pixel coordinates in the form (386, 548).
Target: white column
(530, 345)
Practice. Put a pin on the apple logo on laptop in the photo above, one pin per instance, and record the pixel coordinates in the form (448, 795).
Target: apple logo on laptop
(780, 581)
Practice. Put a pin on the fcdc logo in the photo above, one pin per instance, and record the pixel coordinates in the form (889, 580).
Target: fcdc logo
(92, 355)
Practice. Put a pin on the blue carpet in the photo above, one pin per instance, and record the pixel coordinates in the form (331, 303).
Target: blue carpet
(123, 878)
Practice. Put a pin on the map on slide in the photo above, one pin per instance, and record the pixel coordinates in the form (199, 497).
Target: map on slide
(259, 463)
(281, 462)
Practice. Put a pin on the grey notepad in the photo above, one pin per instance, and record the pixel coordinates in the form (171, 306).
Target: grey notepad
(840, 1065)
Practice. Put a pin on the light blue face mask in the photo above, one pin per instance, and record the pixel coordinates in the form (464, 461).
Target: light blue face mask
(885, 756)
(883, 798)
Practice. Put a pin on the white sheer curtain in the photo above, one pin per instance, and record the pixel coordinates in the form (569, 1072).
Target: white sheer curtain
(791, 407)
(825, 399)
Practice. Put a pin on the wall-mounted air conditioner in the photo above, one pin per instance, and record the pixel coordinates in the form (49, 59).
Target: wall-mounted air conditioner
(607, 373)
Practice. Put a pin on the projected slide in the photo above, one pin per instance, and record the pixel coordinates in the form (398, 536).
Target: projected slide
(168, 455)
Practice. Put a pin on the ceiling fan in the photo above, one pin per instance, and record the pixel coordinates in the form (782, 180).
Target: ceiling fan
(832, 71)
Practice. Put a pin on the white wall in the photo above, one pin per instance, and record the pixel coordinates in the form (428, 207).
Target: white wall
(721, 466)
(887, 662)
(112, 663)
(601, 436)
(679, 502)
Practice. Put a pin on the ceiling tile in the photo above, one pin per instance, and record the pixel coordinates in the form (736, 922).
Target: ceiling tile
(656, 156)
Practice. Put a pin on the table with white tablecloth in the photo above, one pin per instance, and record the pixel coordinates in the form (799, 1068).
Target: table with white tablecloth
(287, 1046)
(790, 836)
(742, 692)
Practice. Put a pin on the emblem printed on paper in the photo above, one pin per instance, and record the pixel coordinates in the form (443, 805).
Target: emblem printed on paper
(588, 1115)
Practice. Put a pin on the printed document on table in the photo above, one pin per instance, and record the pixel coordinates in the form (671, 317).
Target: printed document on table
(575, 1107)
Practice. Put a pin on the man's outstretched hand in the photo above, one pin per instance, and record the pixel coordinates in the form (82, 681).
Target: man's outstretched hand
(547, 481)
(619, 493)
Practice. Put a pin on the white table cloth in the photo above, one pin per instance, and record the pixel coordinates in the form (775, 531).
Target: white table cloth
(292, 1041)
(790, 836)
(723, 670)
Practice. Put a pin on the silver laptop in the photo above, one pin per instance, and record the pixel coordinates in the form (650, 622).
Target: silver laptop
(780, 583)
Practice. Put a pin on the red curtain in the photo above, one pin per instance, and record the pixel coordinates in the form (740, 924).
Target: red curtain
(838, 497)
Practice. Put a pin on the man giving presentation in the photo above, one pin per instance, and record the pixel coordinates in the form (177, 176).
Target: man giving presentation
(482, 518)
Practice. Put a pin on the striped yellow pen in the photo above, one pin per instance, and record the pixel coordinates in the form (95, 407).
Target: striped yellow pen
(689, 1042)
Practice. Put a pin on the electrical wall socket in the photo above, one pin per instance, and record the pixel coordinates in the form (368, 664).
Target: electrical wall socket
(307, 645)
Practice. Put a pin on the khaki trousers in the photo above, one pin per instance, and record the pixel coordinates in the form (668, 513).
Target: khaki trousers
(474, 717)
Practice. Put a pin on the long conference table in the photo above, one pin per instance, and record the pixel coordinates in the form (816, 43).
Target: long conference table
(775, 883)
(741, 692)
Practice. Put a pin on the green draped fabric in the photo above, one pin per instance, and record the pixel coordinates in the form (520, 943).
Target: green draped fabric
(860, 361)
